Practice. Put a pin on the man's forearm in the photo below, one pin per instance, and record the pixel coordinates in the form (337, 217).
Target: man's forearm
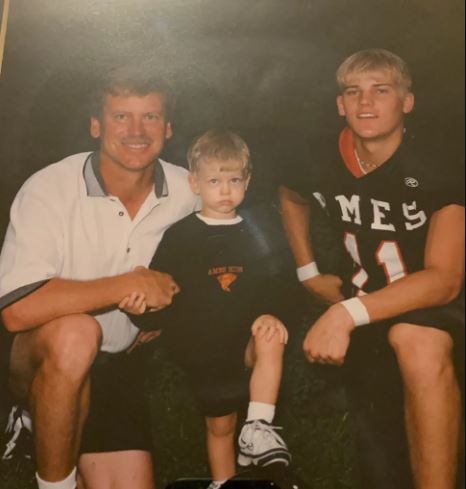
(61, 297)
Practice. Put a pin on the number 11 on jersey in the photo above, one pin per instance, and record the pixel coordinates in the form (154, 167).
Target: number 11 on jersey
(387, 255)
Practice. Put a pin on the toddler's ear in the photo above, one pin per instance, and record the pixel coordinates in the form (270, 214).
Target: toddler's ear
(193, 183)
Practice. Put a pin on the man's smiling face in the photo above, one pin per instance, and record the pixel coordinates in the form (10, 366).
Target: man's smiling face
(132, 130)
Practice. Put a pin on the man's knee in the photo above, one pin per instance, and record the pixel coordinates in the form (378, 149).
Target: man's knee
(71, 343)
(423, 354)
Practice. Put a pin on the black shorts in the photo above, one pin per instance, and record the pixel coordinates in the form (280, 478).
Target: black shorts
(119, 414)
(214, 367)
(371, 363)
(449, 317)
(219, 389)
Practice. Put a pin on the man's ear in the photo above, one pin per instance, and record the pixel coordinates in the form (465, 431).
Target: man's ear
(94, 128)
(193, 183)
(408, 103)
(340, 106)
(168, 130)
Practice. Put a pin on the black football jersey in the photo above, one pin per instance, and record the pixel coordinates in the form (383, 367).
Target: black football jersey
(384, 215)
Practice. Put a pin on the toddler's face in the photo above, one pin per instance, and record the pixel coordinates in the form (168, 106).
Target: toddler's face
(221, 186)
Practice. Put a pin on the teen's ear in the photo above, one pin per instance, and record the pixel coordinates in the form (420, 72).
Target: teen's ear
(408, 103)
(341, 106)
(94, 128)
(193, 183)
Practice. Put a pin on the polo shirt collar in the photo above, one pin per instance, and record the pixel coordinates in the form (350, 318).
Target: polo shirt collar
(95, 184)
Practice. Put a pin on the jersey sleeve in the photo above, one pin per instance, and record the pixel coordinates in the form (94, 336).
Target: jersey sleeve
(32, 249)
(154, 320)
(451, 194)
(162, 261)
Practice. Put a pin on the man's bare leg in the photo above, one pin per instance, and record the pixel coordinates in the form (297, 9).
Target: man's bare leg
(221, 446)
(49, 368)
(128, 469)
(432, 403)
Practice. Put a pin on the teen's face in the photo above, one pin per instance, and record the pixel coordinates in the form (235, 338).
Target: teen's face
(132, 130)
(373, 104)
(221, 186)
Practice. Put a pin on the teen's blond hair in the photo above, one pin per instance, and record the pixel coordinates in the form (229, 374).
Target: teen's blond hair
(374, 60)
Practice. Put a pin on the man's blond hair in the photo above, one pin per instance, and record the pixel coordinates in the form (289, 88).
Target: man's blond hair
(219, 145)
(375, 59)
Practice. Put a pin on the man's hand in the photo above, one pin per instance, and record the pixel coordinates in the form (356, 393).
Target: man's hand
(267, 326)
(157, 288)
(325, 287)
(328, 339)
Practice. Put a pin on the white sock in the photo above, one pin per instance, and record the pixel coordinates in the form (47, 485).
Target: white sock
(67, 483)
(261, 410)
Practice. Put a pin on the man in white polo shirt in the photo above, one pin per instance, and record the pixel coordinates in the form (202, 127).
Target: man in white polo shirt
(78, 230)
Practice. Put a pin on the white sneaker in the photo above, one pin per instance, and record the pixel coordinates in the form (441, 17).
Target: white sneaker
(19, 433)
(259, 444)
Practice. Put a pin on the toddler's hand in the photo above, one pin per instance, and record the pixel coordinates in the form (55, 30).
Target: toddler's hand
(134, 303)
(267, 326)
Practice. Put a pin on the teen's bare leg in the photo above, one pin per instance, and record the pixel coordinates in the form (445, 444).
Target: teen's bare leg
(432, 403)
(130, 469)
(220, 446)
(266, 358)
(49, 370)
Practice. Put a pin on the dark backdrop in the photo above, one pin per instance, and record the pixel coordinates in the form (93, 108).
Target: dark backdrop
(263, 67)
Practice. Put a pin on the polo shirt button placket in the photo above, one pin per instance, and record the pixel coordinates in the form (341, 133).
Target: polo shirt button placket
(121, 213)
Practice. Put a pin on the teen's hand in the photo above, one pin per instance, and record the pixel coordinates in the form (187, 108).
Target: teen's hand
(267, 326)
(134, 303)
(325, 287)
(158, 288)
(328, 338)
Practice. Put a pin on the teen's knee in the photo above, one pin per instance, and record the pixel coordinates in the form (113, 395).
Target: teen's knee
(71, 343)
(222, 426)
(423, 354)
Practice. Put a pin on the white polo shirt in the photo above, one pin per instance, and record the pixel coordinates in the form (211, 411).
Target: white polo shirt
(63, 224)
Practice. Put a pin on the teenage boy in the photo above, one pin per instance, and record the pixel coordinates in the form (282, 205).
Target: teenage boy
(78, 229)
(404, 231)
(221, 319)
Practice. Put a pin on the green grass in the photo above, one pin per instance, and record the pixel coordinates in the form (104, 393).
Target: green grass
(312, 411)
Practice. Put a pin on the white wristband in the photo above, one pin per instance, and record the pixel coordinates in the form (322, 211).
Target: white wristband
(357, 311)
(307, 271)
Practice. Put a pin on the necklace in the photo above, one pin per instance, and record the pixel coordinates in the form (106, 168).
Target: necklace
(367, 167)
